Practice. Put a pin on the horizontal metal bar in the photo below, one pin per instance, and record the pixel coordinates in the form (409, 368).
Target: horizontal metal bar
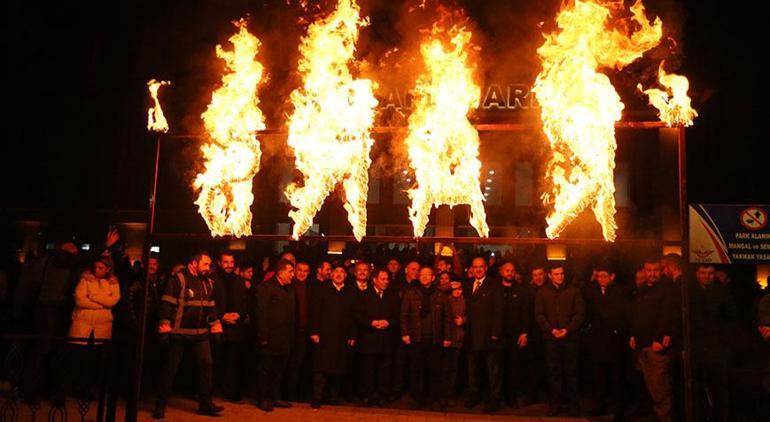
(490, 127)
(427, 239)
(6, 337)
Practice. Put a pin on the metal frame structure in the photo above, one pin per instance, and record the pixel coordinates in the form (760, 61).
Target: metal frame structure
(132, 404)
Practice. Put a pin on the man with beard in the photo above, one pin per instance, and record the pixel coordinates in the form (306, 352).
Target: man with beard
(187, 315)
(713, 321)
(560, 312)
(394, 271)
(535, 348)
(377, 314)
(485, 309)
(332, 330)
(323, 272)
(295, 374)
(354, 378)
(673, 268)
(515, 326)
(276, 315)
(425, 330)
(653, 328)
(401, 358)
(232, 297)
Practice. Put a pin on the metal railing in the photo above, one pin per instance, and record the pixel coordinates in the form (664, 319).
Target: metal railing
(57, 379)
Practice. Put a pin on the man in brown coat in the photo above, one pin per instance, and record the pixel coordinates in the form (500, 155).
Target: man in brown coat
(425, 329)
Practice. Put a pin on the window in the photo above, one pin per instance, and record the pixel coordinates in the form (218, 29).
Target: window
(524, 184)
(622, 185)
(490, 184)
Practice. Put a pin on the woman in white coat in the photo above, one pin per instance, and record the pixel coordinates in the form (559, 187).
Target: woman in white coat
(95, 295)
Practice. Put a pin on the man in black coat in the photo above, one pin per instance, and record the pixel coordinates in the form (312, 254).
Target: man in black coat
(485, 307)
(232, 298)
(535, 347)
(276, 313)
(653, 327)
(560, 312)
(323, 271)
(297, 373)
(404, 279)
(425, 329)
(517, 311)
(377, 315)
(360, 283)
(713, 321)
(333, 331)
(607, 314)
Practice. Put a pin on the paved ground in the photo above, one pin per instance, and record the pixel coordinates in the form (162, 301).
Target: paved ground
(180, 410)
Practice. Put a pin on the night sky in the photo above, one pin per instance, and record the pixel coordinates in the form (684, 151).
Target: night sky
(76, 98)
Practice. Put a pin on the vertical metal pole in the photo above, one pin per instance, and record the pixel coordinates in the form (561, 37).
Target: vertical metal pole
(684, 228)
(133, 401)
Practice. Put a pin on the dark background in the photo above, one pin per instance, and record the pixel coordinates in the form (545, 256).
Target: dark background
(75, 89)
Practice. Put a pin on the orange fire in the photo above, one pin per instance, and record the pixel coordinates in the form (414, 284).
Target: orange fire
(329, 130)
(232, 154)
(579, 105)
(673, 103)
(443, 145)
(156, 121)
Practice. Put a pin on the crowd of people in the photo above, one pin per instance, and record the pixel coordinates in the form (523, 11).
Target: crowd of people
(369, 330)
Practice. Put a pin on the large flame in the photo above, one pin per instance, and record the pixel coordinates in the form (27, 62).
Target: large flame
(156, 121)
(443, 145)
(232, 153)
(329, 130)
(579, 105)
(673, 103)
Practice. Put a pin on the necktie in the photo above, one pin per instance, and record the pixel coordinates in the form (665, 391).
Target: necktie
(476, 285)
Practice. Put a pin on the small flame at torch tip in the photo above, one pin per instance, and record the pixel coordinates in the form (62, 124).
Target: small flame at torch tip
(673, 103)
(156, 121)
(330, 128)
(233, 152)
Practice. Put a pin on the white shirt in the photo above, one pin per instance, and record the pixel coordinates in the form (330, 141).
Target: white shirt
(477, 284)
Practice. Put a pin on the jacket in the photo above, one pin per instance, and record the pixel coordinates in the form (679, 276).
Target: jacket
(276, 317)
(559, 307)
(411, 320)
(188, 304)
(94, 300)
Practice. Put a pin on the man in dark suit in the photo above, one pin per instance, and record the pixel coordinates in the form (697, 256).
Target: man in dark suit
(275, 332)
(560, 312)
(607, 306)
(377, 314)
(332, 330)
(485, 330)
